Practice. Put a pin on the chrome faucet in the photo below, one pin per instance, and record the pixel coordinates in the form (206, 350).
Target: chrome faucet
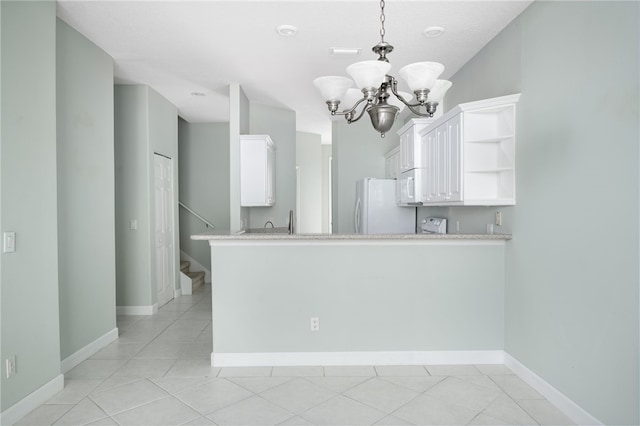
(291, 222)
(269, 223)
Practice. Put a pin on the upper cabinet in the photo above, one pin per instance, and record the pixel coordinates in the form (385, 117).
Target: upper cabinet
(410, 148)
(392, 163)
(469, 155)
(257, 171)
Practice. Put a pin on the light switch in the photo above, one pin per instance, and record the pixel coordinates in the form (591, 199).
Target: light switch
(9, 242)
(133, 224)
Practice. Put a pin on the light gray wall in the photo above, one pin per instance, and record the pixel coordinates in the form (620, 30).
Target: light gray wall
(309, 163)
(86, 233)
(280, 124)
(28, 205)
(145, 123)
(326, 187)
(572, 299)
(204, 183)
(358, 152)
(238, 125)
(370, 299)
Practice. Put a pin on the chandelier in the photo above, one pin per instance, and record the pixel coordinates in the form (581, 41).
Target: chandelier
(377, 86)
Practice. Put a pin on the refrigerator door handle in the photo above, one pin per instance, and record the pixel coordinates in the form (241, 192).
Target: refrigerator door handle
(356, 218)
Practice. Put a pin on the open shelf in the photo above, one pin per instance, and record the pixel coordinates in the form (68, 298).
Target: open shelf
(495, 139)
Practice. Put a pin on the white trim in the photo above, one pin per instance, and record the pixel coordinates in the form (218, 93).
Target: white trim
(177, 293)
(137, 310)
(197, 266)
(186, 284)
(83, 353)
(304, 242)
(355, 358)
(32, 401)
(572, 410)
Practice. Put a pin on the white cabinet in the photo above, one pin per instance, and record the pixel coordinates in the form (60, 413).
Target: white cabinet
(409, 187)
(257, 171)
(392, 163)
(470, 155)
(410, 148)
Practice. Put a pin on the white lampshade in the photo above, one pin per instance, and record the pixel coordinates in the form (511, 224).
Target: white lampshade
(438, 91)
(352, 96)
(392, 100)
(421, 75)
(332, 88)
(368, 74)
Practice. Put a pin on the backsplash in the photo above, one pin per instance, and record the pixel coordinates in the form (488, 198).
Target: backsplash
(470, 220)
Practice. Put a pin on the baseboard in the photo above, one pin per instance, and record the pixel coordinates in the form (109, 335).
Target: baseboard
(561, 401)
(137, 310)
(32, 401)
(355, 358)
(84, 353)
(196, 266)
(177, 293)
(186, 285)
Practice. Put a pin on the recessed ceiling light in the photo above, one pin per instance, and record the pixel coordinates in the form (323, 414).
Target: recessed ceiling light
(197, 94)
(433, 31)
(348, 51)
(287, 30)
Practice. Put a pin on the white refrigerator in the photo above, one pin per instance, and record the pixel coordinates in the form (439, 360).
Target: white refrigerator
(376, 210)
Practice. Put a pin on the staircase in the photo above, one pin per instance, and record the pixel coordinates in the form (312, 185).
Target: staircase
(197, 278)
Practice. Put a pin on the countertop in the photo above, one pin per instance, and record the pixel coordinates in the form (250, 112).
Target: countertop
(226, 235)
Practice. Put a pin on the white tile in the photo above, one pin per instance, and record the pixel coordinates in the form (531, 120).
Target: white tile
(350, 371)
(107, 421)
(418, 384)
(462, 393)
(160, 350)
(426, 410)
(245, 372)
(44, 415)
(401, 370)
(480, 381)
(337, 384)
(193, 368)
(493, 369)
(174, 385)
(343, 411)
(484, 420)
(251, 411)
(506, 410)
(515, 387)
(297, 395)
(201, 421)
(86, 411)
(113, 382)
(259, 384)
(168, 411)
(383, 395)
(126, 397)
(196, 350)
(95, 369)
(392, 421)
(197, 315)
(452, 370)
(213, 395)
(74, 391)
(544, 412)
(145, 368)
(298, 371)
(118, 350)
(296, 421)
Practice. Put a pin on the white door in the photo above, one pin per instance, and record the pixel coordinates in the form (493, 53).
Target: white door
(165, 272)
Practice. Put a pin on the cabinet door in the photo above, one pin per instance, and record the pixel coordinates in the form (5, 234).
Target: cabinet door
(406, 151)
(429, 150)
(454, 142)
(271, 172)
(442, 163)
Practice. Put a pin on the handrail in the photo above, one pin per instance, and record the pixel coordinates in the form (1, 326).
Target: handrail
(202, 219)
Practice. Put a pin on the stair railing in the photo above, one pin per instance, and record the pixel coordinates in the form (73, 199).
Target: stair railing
(202, 219)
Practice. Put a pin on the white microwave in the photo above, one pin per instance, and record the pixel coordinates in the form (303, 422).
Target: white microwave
(409, 188)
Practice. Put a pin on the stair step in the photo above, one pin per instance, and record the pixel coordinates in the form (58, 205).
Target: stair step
(184, 266)
(197, 279)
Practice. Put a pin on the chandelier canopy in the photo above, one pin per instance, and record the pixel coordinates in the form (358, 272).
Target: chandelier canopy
(377, 85)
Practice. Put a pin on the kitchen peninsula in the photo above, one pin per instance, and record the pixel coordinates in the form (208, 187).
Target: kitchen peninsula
(374, 299)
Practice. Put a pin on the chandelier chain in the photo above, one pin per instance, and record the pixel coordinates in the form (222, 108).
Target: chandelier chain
(382, 30)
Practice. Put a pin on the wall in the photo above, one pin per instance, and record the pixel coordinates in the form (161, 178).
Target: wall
(326, 187)
(309, 169)
(145, 123)
(28, 205)
(204, 183)
(238, 125)
(280, 124)
(571, 287)
(362, 302)
(358, 152)
(86, 265)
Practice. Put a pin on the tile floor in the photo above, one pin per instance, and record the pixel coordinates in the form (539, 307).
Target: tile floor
(158, 373)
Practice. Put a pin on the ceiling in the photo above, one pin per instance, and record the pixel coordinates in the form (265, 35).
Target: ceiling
(184, 47)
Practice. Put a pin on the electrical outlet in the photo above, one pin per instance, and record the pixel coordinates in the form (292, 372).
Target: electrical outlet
(314, 324)
(11, 366)
(498, 218)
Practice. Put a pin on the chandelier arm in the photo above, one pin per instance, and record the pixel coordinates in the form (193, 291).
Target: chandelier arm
(353, 120)
(417, 112)
(394, 84)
